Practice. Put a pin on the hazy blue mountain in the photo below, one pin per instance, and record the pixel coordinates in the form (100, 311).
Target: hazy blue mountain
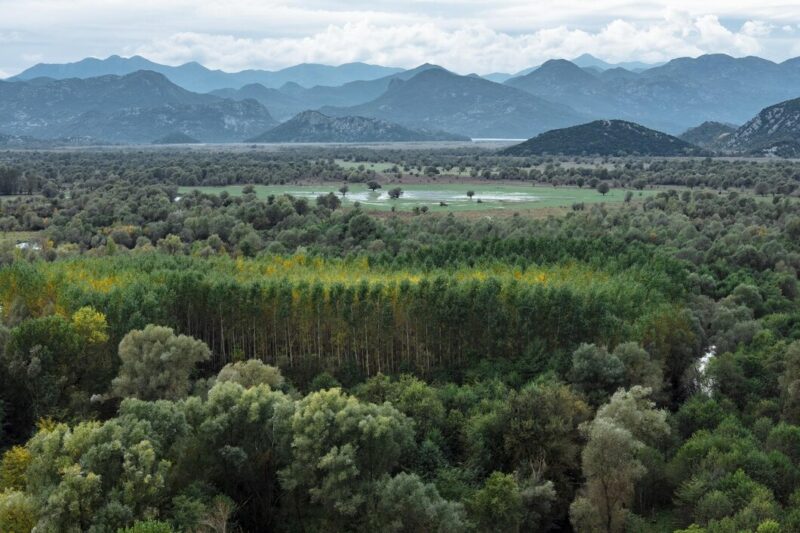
(562, 81)
(281, 105)
(588, 60)
(498, 77)
(313, 126)
(349, 94)
(775, 130)
(711, 135)
(438, 100)
(196, 77)
(605, 138)
(671, 97)
(585, 61)
(137, 107)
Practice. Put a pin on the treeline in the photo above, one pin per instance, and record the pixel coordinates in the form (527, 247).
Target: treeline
(310, 315)
(69, 170)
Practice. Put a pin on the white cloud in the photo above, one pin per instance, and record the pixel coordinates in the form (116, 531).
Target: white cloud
(473, 47)
(465, 35)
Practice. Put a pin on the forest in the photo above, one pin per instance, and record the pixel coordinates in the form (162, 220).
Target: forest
(217, 362)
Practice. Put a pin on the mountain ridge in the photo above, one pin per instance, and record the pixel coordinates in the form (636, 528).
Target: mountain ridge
(605, 138)
(196, 77)
(437, 99)
(137, 107)
(313, 126)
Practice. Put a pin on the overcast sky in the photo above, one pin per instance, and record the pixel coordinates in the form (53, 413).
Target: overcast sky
(466, 36)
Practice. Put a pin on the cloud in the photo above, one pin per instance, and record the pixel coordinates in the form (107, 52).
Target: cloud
(465, 35)
(471, 47)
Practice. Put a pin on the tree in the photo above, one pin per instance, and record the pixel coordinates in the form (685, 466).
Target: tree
(340, 448)
(498, 505)
(9, 180)
(157, 364)
(13, 467)
(251, 373)
(540, 430)
(603, 188)
(17, 512)
(373, 186)
(640, 368)
(596, 373)
(611, 459)
(790, 383)
(470, 194)
(395, 193)
(407, 505)
(761, 188)
(343, 190)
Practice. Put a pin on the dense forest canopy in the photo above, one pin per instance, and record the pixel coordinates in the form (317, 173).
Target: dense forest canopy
(215, 362)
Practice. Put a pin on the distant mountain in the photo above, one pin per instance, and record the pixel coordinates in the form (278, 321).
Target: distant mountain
(562, 81)
(588, 60)
(137, 107)
(605, 138)
(438, 100)
(195, 77)
(711, 135)
(349, 94)
(671, 97)
(774, 131)
(176, 138)
(585, 61)
(281, 105)
(313, 126)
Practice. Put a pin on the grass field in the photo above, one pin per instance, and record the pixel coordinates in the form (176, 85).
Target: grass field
(487, 196)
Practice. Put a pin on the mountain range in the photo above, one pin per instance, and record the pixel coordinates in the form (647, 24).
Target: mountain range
(195, 77)
(314, 127)
(436, 99)
(672, 97)
(138, 107)
(715, 91)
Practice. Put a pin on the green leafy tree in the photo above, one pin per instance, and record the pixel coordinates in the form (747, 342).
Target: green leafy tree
(340, 448)
(251, 373)
(612, 461)
(405, 504)
(157, 364)
(498, 505)
(596, 373)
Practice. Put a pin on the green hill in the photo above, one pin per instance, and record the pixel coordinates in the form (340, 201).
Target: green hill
(605, 137)
(709, 134)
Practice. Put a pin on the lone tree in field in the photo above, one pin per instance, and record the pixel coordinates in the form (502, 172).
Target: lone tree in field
(603, 188)
(344, 190)
(395, 193)
(373, 186)
(470, 194)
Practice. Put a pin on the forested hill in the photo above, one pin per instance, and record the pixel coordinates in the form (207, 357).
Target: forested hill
(605, 137)
(313, 126)
(710, 135)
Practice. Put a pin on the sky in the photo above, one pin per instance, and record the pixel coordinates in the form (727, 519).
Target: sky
(465, 36)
